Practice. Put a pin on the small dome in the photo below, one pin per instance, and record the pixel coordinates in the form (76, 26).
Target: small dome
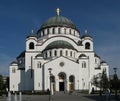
(14, 62)
(58, 21)
(86, 34)
(103, 62)
(59, 44)
(32, 35)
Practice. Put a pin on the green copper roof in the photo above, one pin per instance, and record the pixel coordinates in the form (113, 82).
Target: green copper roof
(59, 44)
(58, 21)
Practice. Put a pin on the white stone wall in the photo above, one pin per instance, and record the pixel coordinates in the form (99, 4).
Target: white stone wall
(69, 68)
(38, 75)
(14, 77)
(84, 73)
(38, 79)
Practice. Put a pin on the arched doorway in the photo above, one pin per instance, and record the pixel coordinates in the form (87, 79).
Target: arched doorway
(71, 83)
(62, 79)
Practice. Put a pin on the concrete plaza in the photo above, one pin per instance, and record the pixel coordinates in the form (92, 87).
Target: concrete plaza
(60, 97)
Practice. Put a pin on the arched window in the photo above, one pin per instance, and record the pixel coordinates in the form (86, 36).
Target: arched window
(72, 83)
(50, 53)
(74, 32)
(43, 32)
(65, 30)
(39, 34)
(55, 53)
(59, 31)
(62, 76)
(13, 70)
(61, 53)
(45, 55)
(71, 53)
(70, 31)
(48, 31)
(53, 30)
(31, 45)
(71, 78)
(83, 64)
(39, 65)
(87, 45)
(66, 53)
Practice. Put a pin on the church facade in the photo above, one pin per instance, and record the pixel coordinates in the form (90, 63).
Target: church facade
(57, 57)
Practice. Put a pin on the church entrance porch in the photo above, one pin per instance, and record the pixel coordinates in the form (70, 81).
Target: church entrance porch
(71, 83)
(62, 83)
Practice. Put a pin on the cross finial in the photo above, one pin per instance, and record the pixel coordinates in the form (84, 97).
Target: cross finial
(58, 11)
(32, 31)
(86, 31)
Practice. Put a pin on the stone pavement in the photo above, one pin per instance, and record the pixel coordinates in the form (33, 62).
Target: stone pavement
(60, 97)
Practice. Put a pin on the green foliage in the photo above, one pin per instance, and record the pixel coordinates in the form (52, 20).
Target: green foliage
(1, 84)
(95, 81)
(104, 81)
(115, 83)
(101, 81)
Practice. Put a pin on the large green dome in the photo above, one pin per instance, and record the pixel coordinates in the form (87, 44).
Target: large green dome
(58, 21)
(59, 44)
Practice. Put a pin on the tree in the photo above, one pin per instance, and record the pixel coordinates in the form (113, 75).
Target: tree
(95, 81)
(101, 81)
(115, 84)
(104, 81)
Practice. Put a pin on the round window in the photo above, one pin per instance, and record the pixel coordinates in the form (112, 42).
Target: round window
(61, 64)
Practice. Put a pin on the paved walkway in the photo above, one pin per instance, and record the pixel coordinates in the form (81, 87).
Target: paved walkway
(59, 97)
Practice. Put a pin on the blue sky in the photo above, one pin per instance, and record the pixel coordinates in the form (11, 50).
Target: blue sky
(100, 17)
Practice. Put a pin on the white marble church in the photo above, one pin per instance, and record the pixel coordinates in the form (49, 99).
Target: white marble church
(57, 50)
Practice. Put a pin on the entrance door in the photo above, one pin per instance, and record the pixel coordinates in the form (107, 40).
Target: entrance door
(61, 86)
(71, 87)
(71, 83)
(62, 79)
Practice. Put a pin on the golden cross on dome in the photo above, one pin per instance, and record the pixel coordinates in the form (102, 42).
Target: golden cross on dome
(58, 11)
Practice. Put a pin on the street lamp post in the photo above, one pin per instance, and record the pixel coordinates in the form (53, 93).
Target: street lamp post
(115, 70)
(115, 81)
(100, 87)
(50, 69)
